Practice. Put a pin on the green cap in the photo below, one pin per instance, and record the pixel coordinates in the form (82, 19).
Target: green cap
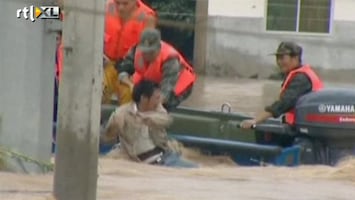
(288, 48)
(150, 40)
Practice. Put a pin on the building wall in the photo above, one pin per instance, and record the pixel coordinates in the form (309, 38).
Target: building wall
(26, 84)
(238, 43)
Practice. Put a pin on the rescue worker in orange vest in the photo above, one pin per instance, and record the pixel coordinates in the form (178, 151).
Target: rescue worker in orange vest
(124, 22)
(58, 73)
(299, 80)
(59, 57)
(58, 62)
(59, 47)
(157, 61)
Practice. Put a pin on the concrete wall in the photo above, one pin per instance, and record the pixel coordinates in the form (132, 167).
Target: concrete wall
(200, 36)
(238, 43)
(26, 83)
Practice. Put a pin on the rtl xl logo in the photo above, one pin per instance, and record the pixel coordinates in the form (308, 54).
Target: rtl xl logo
(39, 12)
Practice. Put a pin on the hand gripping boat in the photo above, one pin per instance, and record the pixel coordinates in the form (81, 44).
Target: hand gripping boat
(324, 132)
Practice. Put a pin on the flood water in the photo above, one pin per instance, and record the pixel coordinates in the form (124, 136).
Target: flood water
(218, 178)
(242, 94)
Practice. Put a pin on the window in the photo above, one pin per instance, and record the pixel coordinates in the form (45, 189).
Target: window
(311, 16)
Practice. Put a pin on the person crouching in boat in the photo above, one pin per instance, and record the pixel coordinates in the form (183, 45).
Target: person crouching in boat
(155, 60)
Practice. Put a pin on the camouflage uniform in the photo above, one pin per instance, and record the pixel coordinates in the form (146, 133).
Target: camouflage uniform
(171, 70)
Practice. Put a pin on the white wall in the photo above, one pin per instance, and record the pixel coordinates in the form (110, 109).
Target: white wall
(343, 9)
(237, 8)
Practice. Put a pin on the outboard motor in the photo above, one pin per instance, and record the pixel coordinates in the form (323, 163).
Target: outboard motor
(326, 120)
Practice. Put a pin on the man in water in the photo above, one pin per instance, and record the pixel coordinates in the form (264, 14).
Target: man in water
(140, 126)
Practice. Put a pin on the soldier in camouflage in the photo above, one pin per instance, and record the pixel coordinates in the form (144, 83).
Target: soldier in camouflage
(171, 68)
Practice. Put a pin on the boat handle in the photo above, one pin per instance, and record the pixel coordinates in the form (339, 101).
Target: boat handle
(228, 106)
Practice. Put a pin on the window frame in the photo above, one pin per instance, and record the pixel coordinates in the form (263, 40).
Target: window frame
(297, 32)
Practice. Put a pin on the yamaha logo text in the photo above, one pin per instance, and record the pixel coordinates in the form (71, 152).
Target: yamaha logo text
(333, 108)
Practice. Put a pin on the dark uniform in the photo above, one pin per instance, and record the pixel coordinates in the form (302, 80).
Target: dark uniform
(299, 85)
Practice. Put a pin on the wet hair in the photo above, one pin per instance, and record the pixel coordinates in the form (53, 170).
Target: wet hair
(144, 88)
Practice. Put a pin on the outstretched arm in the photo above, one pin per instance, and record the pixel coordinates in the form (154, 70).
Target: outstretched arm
(126, 68)
(127, 64)
(159, 118)
(171, 71)
(298, 86)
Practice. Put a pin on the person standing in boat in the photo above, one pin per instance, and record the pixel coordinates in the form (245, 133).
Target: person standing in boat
(155, 60)
(299, 80)
(124, 22)
(141, 128)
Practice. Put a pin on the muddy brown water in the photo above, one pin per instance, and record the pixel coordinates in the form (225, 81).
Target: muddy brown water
(243, 95)
(218, 177)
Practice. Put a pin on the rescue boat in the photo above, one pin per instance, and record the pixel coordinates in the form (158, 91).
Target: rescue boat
(324, 132)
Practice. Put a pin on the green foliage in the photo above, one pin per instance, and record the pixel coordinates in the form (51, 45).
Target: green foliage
(2, 164)
(180, 11)
(177, 10)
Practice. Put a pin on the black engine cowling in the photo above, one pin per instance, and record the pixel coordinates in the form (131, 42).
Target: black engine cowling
(327, 118)
(327, 114)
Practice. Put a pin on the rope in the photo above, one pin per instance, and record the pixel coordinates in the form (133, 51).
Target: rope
(12, 154)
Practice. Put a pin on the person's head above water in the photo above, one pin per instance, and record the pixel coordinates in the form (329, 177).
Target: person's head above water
(147, 96)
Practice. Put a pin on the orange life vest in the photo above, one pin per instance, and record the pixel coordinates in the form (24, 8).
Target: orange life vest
(59, 54)
(317, 85)
(59, 57)
(119, 37)
(154, 71)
